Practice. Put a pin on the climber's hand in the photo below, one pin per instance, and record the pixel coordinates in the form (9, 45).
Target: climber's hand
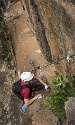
(47, 87)
(39, 96)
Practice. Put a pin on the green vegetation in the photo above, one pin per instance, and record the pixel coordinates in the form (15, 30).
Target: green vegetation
(5, 39)
(61, 92)
(1, 104)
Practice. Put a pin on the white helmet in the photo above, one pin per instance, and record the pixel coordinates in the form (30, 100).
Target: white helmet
(27, 76)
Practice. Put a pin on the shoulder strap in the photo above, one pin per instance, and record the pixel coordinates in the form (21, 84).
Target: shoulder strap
(25, 86)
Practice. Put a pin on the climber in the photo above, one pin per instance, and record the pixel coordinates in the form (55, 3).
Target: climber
(70, 57)
(30, 79)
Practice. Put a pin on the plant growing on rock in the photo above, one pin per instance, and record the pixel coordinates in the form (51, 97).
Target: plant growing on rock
(6, 39)
(61, 92)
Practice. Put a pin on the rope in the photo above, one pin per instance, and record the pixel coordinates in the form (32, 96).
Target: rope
(68, 57)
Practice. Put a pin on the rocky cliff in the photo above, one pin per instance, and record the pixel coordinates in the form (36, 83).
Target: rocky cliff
(53, 23)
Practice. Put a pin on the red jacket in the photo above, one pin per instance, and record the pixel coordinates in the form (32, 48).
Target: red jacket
(25, 92)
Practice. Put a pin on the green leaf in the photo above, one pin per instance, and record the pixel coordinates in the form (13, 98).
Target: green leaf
(61, 92)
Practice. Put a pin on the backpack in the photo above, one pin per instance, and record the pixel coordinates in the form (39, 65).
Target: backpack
(16, 88)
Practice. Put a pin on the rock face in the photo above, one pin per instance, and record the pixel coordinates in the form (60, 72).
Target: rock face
(5, 4)
(53, 23)
(70, 111)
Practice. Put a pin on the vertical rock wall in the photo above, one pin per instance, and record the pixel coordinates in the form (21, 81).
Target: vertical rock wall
(39, 29)
(53, 22)
(70, 111)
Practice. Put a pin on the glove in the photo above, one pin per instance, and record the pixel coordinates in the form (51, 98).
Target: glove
(39, 96)
(47, 87)
(24, 107)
